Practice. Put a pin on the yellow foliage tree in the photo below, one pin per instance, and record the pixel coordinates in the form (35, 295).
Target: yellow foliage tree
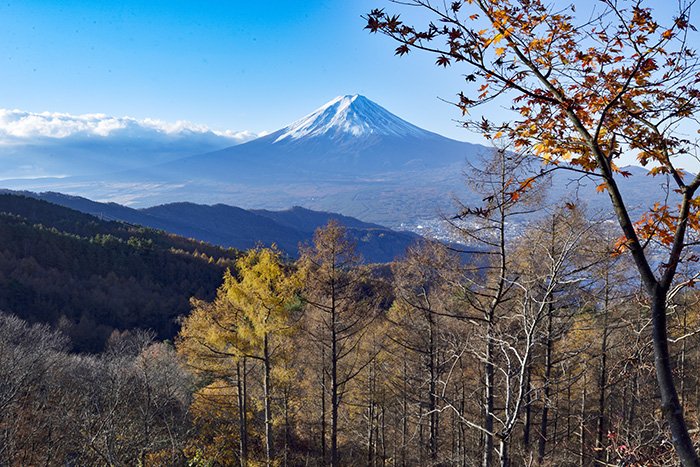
(250, 309)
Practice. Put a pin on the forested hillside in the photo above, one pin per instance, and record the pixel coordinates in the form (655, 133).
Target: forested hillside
(327, 361)
(230, 226)
(88, 277)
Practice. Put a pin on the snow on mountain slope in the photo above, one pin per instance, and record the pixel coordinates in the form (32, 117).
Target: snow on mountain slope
(348, 138)
(349, 116)
(350, 156)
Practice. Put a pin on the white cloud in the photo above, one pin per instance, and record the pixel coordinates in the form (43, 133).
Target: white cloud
(20, 127)
(47, 144)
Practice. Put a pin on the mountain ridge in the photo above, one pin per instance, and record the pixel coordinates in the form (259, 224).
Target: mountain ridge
(231, 226)
(90, 277)
(349, 156)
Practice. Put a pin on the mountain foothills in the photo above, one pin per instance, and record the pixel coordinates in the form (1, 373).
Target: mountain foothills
(89, 276)
(230, 226)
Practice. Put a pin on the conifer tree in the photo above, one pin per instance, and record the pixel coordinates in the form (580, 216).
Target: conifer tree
(340, 305)
(251, 310)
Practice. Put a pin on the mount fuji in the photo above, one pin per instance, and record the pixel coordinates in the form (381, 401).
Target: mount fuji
(350, 156)
(349, 116)
(349, 139)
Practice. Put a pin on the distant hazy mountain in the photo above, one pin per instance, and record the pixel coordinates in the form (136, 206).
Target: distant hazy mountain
(350, 139)
(350, 156)
(230, 226)
(307, 220)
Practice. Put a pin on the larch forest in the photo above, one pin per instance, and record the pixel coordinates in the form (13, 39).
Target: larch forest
(550, 335)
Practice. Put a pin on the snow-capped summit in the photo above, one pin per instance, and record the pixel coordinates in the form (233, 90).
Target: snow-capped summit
(351, 154)
(349, 138)
(352, 115)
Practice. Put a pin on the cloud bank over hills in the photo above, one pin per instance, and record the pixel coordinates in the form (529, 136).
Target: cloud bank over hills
(52, 144)
(18, 127)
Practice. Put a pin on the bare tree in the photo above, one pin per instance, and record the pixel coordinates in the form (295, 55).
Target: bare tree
(587, 88)
(340, 305)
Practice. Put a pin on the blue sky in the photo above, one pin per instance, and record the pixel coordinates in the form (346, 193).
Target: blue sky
(237, 65)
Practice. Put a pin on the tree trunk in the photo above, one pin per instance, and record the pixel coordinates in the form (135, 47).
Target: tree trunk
(682, 358)
(242, 411)
(670, 405)
(370, 417)
(603, 379)
(421, 436)
(433, 392)
(504, 453)
(334, 388)
(542, 445)
(490, 316)
(267, 388)
(383, 436)
(488, 399)
(582, 427)
(324, 449)
(528, 409)
(462, 427)
(286, 427)
(404, 410)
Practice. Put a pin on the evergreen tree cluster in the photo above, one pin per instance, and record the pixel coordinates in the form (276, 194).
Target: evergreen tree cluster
(89, 277)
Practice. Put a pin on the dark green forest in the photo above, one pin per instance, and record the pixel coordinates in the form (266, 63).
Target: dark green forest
(89, 277)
